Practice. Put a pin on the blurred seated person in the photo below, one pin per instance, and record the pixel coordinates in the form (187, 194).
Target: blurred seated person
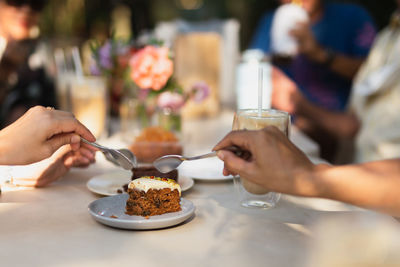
(376, 97)
(331, 46)
(23, 79)
(373, 113)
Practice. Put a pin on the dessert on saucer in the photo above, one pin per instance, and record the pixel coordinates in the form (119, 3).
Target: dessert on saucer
(150, 195)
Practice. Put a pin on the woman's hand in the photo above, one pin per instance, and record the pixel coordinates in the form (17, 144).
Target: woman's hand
(38, 134)
(276, 163)
(49, 170)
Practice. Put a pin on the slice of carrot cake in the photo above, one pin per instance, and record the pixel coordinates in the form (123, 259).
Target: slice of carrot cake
(151, 195)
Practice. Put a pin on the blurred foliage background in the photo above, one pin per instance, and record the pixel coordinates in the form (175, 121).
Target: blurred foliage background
(76, 20)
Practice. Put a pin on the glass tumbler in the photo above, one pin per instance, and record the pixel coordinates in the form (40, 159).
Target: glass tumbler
(250, 194)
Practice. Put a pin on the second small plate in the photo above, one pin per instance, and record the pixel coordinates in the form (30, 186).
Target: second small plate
(107, 184)
(209, 169)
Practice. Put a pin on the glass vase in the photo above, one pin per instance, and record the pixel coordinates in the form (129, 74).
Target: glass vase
(170, 120)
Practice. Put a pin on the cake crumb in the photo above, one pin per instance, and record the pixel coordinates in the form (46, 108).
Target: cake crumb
(113, 216)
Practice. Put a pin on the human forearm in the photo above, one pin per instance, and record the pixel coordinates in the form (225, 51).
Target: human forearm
(286, 96)
(44, 172)
(279, 166)
(372, 185)
(340, 124)
(346, 66)
(341, 64)
(4, 150)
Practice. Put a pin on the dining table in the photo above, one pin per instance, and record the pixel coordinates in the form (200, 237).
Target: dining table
(51, 226)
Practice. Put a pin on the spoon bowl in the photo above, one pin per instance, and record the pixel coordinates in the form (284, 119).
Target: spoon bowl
(121, 157)
(169, 163)
(129, 154)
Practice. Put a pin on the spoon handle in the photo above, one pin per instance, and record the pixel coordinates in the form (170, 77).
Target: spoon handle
(244, 154)
(239, 152)
(92, 144)
(208, 155)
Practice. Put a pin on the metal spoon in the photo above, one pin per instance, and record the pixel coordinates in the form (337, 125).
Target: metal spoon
(120, 157)
(169, 163)
(125, 152)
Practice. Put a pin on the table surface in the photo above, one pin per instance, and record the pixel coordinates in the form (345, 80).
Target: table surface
(52, 227)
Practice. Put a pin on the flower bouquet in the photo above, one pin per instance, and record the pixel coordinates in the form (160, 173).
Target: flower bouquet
(146, 74)
(151, 69)
(148, 79)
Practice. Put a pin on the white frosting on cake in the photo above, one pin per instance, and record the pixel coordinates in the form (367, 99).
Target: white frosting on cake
(151, 182)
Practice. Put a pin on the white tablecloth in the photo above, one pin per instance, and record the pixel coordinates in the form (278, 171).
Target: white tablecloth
(52, 227)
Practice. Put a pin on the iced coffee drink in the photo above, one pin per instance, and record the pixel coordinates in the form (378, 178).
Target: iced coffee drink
(252, 194)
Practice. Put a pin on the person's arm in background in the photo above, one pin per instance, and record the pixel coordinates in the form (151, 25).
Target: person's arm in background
(344, 65)
(286, 96)
(278, 165)
(360, 38)
(38, 134)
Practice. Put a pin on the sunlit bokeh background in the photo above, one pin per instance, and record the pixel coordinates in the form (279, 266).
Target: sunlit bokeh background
(75, 19)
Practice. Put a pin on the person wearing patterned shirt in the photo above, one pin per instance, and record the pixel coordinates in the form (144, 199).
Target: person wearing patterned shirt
(376, 97)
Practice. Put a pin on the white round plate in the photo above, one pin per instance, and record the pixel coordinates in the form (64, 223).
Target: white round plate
(108, 183)
(111, 211)
(209, 169)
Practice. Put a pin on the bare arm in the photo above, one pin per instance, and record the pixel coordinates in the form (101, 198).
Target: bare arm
(340, 124)
(374, 185)
(341, 64)
(287, 96)
(278, 165)
(44, 172)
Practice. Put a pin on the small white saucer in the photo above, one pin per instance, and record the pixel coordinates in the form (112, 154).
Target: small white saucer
(209, 169)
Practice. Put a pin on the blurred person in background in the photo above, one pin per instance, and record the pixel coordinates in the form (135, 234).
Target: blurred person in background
(372, 116)
(332, 46)
(23, 79)
(376, 97)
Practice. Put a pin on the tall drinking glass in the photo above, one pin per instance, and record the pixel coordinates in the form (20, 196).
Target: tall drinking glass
(250, 194)
(89, 102)
(63, 86)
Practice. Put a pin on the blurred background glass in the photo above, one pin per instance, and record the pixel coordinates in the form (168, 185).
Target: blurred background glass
(88, 99)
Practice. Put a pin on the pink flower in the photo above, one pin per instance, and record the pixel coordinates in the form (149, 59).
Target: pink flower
(173, 101)
(200, 91)
(151, 67)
